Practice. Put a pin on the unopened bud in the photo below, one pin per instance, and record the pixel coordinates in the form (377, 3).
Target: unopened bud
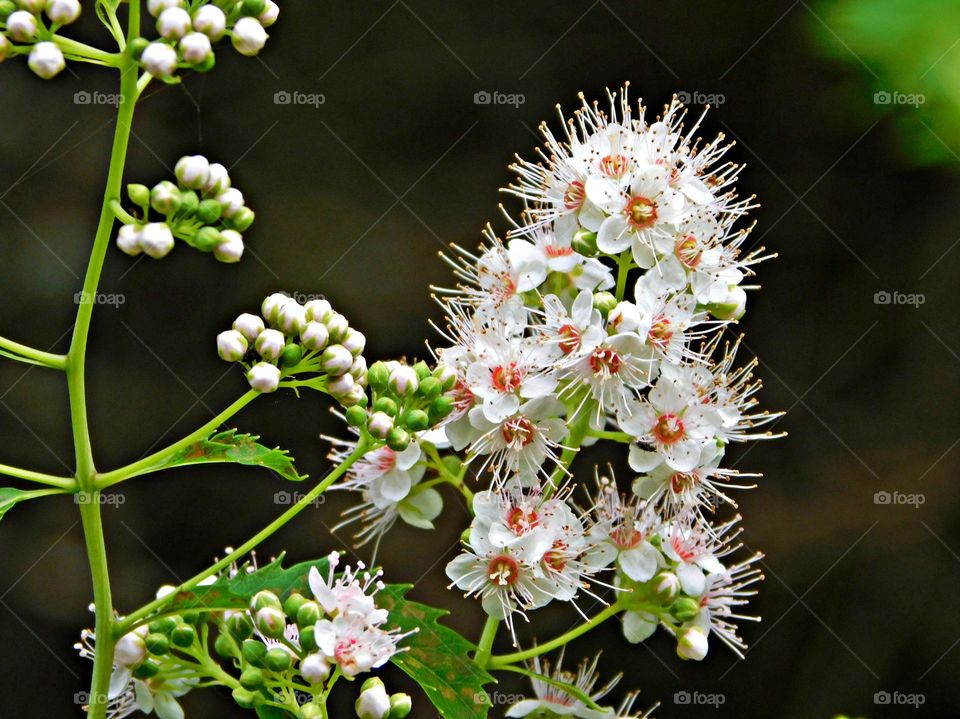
(270, 13)
(207, 239)
(173, 23)
(314, 336)
(195, 48)
(231, 346)
(156, 240)
(336, 360)
(211, 21)
(318, 310)
(271, 306)
(291, 318)
(403, 381)
(155, 7)
(159, 59)
(193, 171)
(398, 439)
(46, 60)
(271, 622)
(248, 37)
(400, 705)
(231, 200)
(242, 219)
(666, 585)
(129, 650)
(338, 326)
(603, 302)
(685, 609)
(380, 424)
(219, 180)
(230, 248)
(278, 659)
(264, 377)
(21, 26)
(354, 341)
(339, 386)
(732, 308)
(356, 416)
(165, 198)
(373, 702)
(378, 375)
(208, 211)
(270, 344)
(249, 325)
(128, 240)
(314, 668)
(63, 12)
(692, 643)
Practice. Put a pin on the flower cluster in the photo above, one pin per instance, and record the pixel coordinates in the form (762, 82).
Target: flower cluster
(28, 26)
(187, 37)
(298, 339)
(201, 209)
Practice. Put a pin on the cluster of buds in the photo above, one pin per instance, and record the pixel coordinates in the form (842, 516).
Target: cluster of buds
(406, 399)
(299, 339)
(201, 208)
(28, 27)
(187, 36)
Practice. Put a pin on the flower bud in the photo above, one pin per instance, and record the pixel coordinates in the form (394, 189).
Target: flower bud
(32, 6)
(63, 12)
(6, 7)
(271, 306)
(128, 240)
(318, 310)
(291, 318)
(430, 388)
(264, 377)
(338, 326)
(219, 180)
(378, 375)
(156, 240)
(733, 307)
(314, 336)
(417, 420)
(373, 702)
(139, 195)
(230, 249)
(239, 626)
(245, 698)
(5, 47)
(242, 219)
(271, 622)
(380, 424)
(403, 381)
(224, 647)
(173, 23)
(159, 59)
(385, 405)
(231, 200)
(21, 26)
(193, 171)
(341, 385)
(136, 47)
(422, 369)
(398, 439)
(359, 370)
(207, 239)
(308, 638)
(46, 60)
(155, 7)
(308, 614)
(685, 609)
(251, 678)
(336, 360)
(165, 198)
(253, 651)
(231, 346)
(310, 711)
(189, 202)
(252, 8)
(278, 660)
(248, 37)
(129, 650)
(209, 211)
(183, 636)
(440, 409)
(603, 302)
(157, 644)
(314, 668)
(265, 598)
(210, 20)
(270, 13)
(447, 376)
(584, 242)
(355, 341)
(355, 397)
(195, 48)
(666, 585)
(164, 625)
(147, 670)
(291, 355)
(356, 416)
(692, 643)
(400, 705)
(270, 343)
(249, 325)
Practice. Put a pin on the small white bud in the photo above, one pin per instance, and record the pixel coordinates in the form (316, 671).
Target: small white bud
(404, 381)
(373, 703)
(156, 240)
(314, 336)
(155, 7)
(129, 650)
(271, 306)
(270, 344)
(173, 23)
(338, 326)
(128, 240)
(270, 14)
(5, 47)
(359, 370)
(336, 360)
(292, 317)
(63, 12)
(314, 668)
(231, 200)
(219, 179)
(356, 395)
(46, 60)
(210, 20)
(380, 424)
(249, 325)
(192, 171)
(692, 643)
(230, 248)
(195, 48)
(318, 310)
(21, 25)
(446, 374)
(159, 59)
(355, 341)
(231, 345)
(31, 6)
(164, 590)
(165, 197)
(341, 385)
(249, 37)
(264, 377)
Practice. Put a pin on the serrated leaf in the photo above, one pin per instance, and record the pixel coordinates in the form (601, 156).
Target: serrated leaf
(10, 496)
(437, 658)
(228, 446)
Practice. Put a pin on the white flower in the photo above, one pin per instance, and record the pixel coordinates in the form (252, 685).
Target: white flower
(62, 12)
(696, 553)
(156, 240)
(552, 700)
(128, 240)
(614, 370)
(230, 247)
(505, 372)
(248, 37)
(210, 20)
(231, 345)
(159, 59)
(46, 60)
(173, 23)
(21, 25)
(193, 171)
(622, 531)
(264, 377)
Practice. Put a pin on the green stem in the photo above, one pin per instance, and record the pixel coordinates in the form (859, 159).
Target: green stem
(83, 52)
(485, 645)
(23, 353)
(578, 432)
(502, 660)
(623, 270)
(615, 436)
(159, 459)
(565, 687)
(66, 483)
(131, 621)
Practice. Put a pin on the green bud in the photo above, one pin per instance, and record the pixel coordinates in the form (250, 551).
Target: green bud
(685, 609)
(308, 639)
(207, 238)
(224, 647)
(189, 202)
(148, 669)
(370, 684)
(207, 64)
(733, 308)
(356, 416)
(136, 47)
(422, 369)
(183, 635)
(253, 8)
(417, 420)
(291, 356)
(165, 198)
(293, 603)
(400, 705)
(192, 617)
(157, 644)
(6, 7)
(240, 626)
(440, 409)
(253, 652)
(265, 598)
(666, 586)
(398, 439)
(430, 388)
(241, 220)
(453, 464)
(252, 678)
(310, 711)
(139, 195)
(208, 211)
(585, 242)
(604, 302)
(278, 660)
(385, 405)
(271, 622)
(246, 699)
(308, 614)
(377, 376)
(164, 625)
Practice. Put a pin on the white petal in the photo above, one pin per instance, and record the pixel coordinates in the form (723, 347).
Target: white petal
(613, 237)
(640, 563)
(638, 626)
(691, 579)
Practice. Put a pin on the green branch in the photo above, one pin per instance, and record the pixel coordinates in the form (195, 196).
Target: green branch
(23, 353)
(68, 484)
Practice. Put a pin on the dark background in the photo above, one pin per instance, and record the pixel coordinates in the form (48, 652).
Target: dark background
(355, 198)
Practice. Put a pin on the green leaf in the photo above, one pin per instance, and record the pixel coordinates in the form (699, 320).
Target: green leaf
(267, 712)
(437, 658)
(229, 446)
(10, 496)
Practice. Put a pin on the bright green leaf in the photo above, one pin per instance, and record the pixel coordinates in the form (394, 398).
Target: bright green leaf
(229, 446)
(10, 496)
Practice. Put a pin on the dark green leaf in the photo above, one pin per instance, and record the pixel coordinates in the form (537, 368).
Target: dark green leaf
(229, 446)
(438, 658)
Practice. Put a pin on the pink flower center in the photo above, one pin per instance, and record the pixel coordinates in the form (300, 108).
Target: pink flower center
(574, 195)
(386, 459)
(626, 537)
(668, 429)
(503, 570)
(688, 251)
(641, 212)
(683, 482)
(558, 251)
(614, 165)
(506, 378)
(556, 556)
(569, 338)
(686, 552)
(518, 432)
(521, 520)
(605, 360)
(660, 332)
